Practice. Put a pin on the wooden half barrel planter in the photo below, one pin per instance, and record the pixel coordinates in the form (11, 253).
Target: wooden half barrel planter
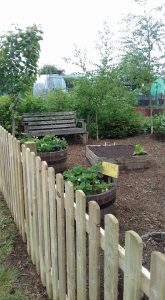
(106, 201)
(118, 154)
(56, 159)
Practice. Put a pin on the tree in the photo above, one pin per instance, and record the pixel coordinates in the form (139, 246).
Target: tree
(105, 48)
(51, 69)
(19, 54)
(145, 35)
(133, 70)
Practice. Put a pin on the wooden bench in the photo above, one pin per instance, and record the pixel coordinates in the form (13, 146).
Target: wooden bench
(53, 123)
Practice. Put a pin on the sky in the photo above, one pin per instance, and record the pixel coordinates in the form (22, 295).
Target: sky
(65, 23)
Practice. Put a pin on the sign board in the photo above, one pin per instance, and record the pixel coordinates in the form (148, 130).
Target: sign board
(110, 169)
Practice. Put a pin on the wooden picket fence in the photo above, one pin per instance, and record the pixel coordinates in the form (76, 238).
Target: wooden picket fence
(64, 242)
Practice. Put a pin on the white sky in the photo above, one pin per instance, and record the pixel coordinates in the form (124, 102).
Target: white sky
(65, 23)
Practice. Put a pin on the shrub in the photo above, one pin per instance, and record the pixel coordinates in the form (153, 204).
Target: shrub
(5, 112)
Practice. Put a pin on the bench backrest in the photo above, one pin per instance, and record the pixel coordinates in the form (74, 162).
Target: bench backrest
(48, 121)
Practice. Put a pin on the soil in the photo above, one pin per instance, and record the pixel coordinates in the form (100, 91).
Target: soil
(113, 151)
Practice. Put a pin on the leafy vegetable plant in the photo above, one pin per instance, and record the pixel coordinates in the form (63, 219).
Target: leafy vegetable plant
(47, 143)
(89, 180)
(139, 150)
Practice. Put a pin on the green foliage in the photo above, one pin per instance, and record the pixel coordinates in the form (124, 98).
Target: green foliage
(47, 143)
(159, 123)
(139, 150)
(5, 112)
(145, 34)
(107, 99)
(89, 180)
(7, 278)
(50, 69)
(133, 69)
(54, 101)
(19, 55)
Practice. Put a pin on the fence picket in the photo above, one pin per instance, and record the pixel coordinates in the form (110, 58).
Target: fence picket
(133, 265)
(46, 217)
(70, 240)
(81, 244)
(94, 251)
(157, 281)
(53, 232)
(27, 225)
(34, 209)
(111, 258)
(61, 235)
(40, 220)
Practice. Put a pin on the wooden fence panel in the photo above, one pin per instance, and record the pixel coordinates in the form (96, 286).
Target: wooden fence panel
(157, 281)
(40, 220)
(133, 265)
(81, 244)
(70, 241)
(46, 217)
(111, 258)
(94, 251)
(53, 232)
(61, 235)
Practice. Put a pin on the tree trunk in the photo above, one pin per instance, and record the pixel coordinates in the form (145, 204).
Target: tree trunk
(13, 122)
(97, 128)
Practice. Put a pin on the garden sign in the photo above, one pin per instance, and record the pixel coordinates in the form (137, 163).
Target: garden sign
(110, 169)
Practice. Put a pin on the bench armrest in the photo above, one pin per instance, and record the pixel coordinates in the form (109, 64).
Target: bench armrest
(83, 123)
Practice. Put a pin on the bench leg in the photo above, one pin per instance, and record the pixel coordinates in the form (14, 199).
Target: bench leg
(85, 138)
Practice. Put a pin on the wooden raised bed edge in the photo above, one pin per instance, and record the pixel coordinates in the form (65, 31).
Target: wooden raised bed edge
(125, 163)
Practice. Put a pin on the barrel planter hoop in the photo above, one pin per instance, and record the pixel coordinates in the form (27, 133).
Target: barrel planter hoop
(57, 159)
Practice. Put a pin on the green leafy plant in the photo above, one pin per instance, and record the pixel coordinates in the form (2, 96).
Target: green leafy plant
(47, 144)
(139, 150)
(89, 180)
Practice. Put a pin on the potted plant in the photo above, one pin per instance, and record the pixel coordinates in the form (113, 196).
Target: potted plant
(94, 184)
(52, 149)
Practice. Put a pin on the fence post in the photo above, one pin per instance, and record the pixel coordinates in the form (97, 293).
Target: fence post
(132, 266)
(157, 280)
(111, 258)
(31, 146)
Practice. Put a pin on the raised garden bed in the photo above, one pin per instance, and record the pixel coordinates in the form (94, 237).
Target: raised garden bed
(118, 154)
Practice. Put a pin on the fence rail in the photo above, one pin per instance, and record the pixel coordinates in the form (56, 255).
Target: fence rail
(64, 242)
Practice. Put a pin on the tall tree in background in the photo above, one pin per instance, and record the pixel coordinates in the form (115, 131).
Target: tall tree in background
(145, 35)
(105, 49)
(51, 69)
(133, 70)
(19, 54)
